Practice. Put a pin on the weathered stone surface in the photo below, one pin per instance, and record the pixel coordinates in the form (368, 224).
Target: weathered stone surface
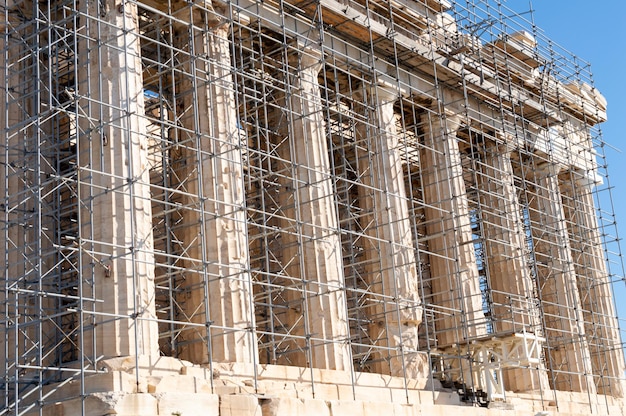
(239, 405)
(186, 384)
(314, 262)
(115, 381)
(319, 391)
(202, 372)
(556, 275)
(213, 169)
(360, 393)
(593, 280)
(405, 410)
(277, 406)
(316, 407)
(112, 156)
(277, 388)
(510, 277)
(280, 407)
(99, 404)
(345, 407)
(373, 408)
(446, 398)
(453, 267)
(153, 365)
(188, 404)
(391, 266)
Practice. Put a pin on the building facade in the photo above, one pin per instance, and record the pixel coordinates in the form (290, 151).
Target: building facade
(324, 207)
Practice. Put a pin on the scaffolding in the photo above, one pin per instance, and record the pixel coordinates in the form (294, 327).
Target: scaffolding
(413, 188)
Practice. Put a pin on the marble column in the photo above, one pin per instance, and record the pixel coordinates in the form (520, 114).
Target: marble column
(455, 280)
(317, 298)
(6, 355)
(391, 268)
(594, 282)
(567, 350)
(515, 307)
(115, 215)
(26, 226)
(218, 287)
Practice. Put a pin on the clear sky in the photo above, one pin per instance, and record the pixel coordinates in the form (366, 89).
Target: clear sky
(596, 32)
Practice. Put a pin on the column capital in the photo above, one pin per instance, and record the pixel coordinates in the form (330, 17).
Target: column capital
(309, 59)
(383, 92)
(544, 167)
(504, 141)
(211, 14)
(584, 178)
(499, 145)
(446, 122)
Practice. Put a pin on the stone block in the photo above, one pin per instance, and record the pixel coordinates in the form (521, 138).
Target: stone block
(286, 406)
(377, 408)
(54, 409)
(225, 390)
(345, 393)
(276, 388)
(447, 398)
(277, 406)
(399, 382)
(304, 375)
(520, 404)
(315, 407)
(203, 386)
(405, 410)
(239, 405)
(300, 374)
(425, 397)
(378, 394)
(336, 377)
(398, 395)
(415, 398)
(432, 410)
(188, 404)
(147, 365)
(102, 382)
(369, 380)
(177, 383)
(464, 410)
(433, 384)
(469, 410)
(247, 386)
(615, 410)
(272, 372)
(195, 371)
(244, 370)
(134, 404)
(345, 407)
(318, 391)
(115, 403)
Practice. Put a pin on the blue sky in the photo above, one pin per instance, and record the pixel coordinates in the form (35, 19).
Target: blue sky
(596, 32)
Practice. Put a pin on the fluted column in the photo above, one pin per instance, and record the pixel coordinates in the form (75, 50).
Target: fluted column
(391, 269)
(25, 222)
(503, 232)
(512, 289)
(567, 349)
(455, 279)
(116, 215)
(318, 308)
(594, 282)
(218, 287)
(6, 338)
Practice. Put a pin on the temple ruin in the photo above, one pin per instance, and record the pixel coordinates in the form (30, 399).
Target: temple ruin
(317, 207)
